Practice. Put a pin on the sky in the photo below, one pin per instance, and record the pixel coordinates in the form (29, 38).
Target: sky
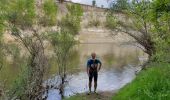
(105, 3)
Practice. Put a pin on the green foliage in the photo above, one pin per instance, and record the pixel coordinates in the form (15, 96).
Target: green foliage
(22, 13)
(153, 18)
(1, 27)
(50, 13)
(151, 84)
(63, 43)
(71, 21)
(14, 51)
(94, 22)
(160, 18)
(138, 12)
(81, 97)
(12, 66)
(63, 40)
(151, 21)
(111, 22)
(3, 4)
(20, 87)
(75, 10)
(93, 3)
(10, 59)
(1, 57)
(70, 24)
(1, 33)
(119, 5)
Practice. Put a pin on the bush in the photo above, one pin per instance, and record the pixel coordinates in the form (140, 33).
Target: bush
(71, 22)
(94, 22)
(20, 87)
(22, 13)
(110, 22)
(1, 29)
(50, 13)
(2, 17)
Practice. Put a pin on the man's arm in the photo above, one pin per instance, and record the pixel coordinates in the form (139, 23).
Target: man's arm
(100, 64)
(87, 70)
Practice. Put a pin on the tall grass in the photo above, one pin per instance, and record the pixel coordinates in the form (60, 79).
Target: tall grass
(150, 84)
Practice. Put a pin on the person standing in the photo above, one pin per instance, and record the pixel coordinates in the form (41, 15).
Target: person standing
(93, 67)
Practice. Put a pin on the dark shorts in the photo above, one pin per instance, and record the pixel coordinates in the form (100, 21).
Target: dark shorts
(93, 74)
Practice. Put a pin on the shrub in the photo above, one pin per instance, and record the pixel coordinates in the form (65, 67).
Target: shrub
(22, 13)
(50, 13)
(71, 21)
(110, 22)
(94, 22)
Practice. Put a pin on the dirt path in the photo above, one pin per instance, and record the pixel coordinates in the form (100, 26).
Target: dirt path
(98, 96)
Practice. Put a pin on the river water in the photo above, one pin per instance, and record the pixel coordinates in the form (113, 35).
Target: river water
(120, 63)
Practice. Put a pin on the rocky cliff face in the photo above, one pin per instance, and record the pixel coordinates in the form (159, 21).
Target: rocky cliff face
(88, 34)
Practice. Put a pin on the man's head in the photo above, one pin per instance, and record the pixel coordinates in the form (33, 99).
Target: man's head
(93, 55)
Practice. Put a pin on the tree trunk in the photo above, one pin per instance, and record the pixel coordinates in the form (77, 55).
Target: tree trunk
(62, 86)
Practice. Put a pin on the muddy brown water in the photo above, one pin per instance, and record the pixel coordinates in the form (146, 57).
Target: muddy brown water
(120, 63)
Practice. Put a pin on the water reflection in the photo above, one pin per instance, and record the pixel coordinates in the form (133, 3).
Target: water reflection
(111, 55)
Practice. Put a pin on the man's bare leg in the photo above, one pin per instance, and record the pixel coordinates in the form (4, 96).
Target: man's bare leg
(90, 84)
(95, 86)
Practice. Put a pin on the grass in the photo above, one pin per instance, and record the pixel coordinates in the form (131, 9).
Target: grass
(150, 84)
(8, 73)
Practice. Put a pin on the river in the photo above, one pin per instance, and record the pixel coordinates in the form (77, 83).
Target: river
(120, 63)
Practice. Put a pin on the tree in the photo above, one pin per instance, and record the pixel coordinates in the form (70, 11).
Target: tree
(19, 17)
(160, 19)
(71, 22)
(22, 13)
(1, 31)
(94, 3)
(138, 27)
(36, 65)
(119, 5)
(49, 13)
(148, 23)
(2, 20)
(63, 40)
